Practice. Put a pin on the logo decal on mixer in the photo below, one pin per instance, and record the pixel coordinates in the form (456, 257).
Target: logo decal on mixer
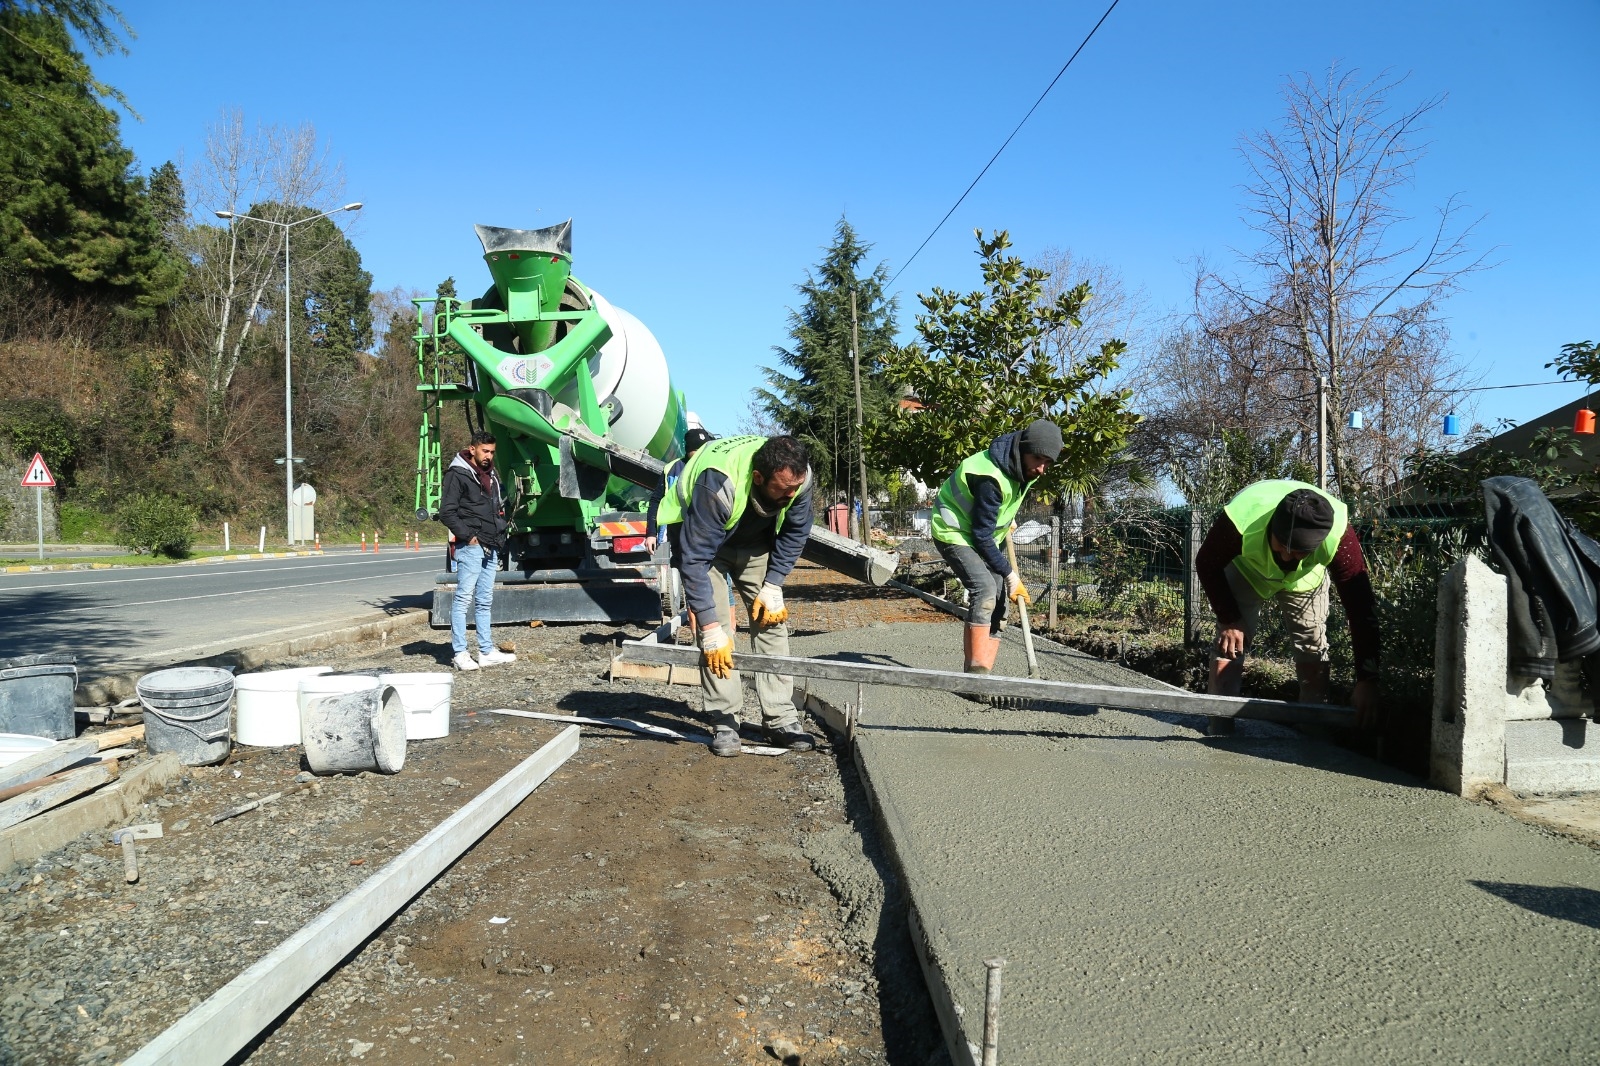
(525, 371)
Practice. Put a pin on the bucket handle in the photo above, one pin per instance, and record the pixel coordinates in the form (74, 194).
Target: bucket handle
(185, 726)
(167, 716)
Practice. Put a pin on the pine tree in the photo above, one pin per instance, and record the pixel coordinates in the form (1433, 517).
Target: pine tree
(71, 211)
(812, 396)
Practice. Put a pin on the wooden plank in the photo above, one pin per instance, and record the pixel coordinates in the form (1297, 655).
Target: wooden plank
(1174, 701)
(113, 738)
(58, 791)
(212, 1033)
(667, 674)
(46, 762)
(112, 805)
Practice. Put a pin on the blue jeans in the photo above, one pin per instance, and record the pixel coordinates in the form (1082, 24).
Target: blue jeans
(474, 584)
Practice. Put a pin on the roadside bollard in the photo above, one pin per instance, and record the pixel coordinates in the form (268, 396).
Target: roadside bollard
(363, 542)
(374, 542)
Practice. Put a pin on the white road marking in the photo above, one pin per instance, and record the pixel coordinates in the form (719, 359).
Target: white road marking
(213, 571)
(213, 595)
(189, 650)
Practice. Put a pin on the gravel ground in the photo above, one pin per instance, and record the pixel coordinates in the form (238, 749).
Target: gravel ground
(647, 901)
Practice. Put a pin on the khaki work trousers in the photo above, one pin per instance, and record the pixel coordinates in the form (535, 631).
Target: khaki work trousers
(1305, 616)
(724, 696)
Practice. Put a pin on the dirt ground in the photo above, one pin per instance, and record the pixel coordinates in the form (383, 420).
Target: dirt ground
(648, 901)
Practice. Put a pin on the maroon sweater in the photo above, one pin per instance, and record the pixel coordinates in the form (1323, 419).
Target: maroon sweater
(1223, 544)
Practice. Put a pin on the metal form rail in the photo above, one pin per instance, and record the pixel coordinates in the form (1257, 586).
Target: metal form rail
(1173, 701)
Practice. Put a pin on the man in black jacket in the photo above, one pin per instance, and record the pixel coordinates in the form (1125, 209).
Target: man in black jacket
(470, 506)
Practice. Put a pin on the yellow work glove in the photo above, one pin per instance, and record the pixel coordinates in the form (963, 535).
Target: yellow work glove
(768, 610)
(716, 650)
(1016, 590)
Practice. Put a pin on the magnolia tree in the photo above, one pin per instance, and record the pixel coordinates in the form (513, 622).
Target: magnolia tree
(986, 365)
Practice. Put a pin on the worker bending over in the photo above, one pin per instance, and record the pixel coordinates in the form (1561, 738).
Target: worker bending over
(744, 504)
(1281, 541)
(971, 520)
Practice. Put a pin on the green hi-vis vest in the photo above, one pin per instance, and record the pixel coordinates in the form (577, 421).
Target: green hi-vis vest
(952, 514)
(733, 456)
(1251, 513)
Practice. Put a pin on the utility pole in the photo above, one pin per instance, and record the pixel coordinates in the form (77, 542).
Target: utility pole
(1322, 432)
(861, 438)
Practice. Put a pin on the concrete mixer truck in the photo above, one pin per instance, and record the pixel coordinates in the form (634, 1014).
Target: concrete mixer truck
(579, 397)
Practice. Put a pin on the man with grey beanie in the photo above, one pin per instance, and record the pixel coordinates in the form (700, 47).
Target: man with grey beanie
(971, 520)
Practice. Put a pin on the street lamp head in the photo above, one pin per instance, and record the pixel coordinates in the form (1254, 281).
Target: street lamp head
(224, 214)
(352, 207)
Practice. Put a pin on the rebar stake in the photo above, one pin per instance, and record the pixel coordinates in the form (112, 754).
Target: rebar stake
(991, 1013)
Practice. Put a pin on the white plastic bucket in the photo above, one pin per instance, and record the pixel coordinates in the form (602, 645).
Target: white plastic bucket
(14, 746)
(267, 706)
(350, 723)
(427, 702)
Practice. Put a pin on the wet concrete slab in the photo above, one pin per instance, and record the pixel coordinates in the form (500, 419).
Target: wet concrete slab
(1164, 897)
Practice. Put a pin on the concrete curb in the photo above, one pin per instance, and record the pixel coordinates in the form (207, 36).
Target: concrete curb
(111, 687)
(50, 567)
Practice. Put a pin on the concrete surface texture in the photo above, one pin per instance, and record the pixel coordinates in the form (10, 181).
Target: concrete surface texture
(154, 614)
(1162, 897)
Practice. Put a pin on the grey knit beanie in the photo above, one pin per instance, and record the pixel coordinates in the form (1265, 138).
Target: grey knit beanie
(1042, 438)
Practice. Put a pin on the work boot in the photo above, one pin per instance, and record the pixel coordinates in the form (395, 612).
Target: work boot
(725, 741)
(465, 661)
(978, 659)
(791, 735)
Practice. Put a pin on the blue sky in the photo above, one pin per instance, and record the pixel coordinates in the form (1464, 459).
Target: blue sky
(706, 151)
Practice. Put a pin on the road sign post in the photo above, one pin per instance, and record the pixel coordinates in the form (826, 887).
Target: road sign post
(38, 478)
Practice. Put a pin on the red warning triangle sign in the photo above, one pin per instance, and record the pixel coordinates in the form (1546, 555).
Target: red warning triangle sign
(38, 475)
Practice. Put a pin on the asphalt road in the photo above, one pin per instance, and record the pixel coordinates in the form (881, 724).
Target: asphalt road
(156, 614)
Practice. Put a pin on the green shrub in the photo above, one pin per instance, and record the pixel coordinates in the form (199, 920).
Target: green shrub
(81, 524)
(157, 524)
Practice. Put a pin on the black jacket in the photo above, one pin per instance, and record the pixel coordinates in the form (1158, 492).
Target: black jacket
(468, 511)
(1553, 571)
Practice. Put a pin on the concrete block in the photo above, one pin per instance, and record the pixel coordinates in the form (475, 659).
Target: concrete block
(1560, 755)
(1469, 687)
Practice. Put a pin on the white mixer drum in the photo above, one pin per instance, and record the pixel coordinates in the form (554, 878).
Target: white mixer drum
(631, 370)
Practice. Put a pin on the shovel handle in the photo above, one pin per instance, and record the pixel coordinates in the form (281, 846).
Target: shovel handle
(1022, 607)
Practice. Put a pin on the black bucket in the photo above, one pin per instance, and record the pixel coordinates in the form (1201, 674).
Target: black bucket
(36, 696)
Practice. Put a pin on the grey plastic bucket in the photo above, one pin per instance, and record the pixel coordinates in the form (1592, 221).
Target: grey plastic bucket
(350, 723)
(36, 696)
(188, 711)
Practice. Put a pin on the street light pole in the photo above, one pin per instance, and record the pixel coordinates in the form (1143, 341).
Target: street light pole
(288, 405)
(288, 330)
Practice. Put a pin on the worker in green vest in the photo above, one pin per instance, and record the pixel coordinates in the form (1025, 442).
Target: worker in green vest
(971, 520)
(744, 507)
(1281, 542)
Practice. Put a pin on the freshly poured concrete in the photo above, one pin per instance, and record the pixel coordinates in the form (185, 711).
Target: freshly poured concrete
(1162, 897)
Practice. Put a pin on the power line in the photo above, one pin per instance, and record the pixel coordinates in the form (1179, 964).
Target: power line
(1002, 148)
(1524, 385)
